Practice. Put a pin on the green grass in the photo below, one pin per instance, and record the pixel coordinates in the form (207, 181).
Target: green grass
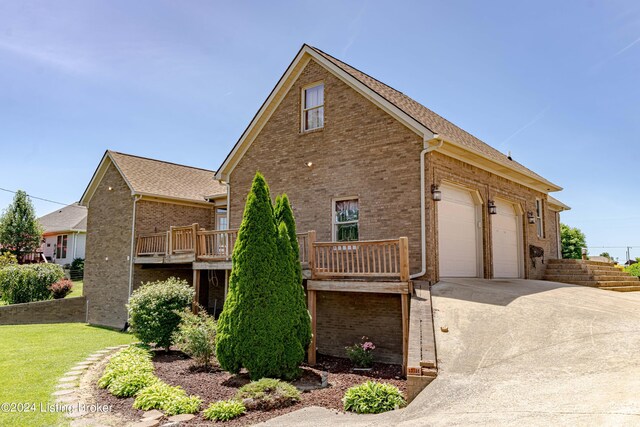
(76, 291)
(34, 357)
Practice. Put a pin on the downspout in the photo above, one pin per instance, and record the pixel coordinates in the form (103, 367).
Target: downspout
(228, 185)
(423, 226)
(133, 243)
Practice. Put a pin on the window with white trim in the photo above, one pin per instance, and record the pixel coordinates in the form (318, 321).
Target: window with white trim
(221, 219)
(61, 247)
(313, 107)
(540, 218)
(346, 214)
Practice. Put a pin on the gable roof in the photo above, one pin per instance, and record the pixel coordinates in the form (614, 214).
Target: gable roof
(69, 218)
(425, 121)
(156, 178)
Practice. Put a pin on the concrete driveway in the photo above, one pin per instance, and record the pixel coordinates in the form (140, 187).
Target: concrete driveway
(522, 352)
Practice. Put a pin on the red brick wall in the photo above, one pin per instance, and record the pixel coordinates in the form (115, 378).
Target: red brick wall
(343, 318)
(107, 264)
(154, 216)
(362, 152)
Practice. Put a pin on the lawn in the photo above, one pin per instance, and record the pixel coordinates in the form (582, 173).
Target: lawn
(34, 357)
(76, 291)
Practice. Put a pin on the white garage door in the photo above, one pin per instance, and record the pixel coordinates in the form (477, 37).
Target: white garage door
(457, 234)
(504, 229)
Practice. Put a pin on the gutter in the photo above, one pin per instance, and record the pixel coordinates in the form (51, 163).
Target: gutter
(423, 226)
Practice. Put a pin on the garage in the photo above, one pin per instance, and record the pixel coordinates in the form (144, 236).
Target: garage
(505, 241)
(458, 233)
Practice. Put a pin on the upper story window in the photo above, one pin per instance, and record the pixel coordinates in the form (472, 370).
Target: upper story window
(346, 214)
(540, 218)
(61, 247)
(313, 107)
(221, 219)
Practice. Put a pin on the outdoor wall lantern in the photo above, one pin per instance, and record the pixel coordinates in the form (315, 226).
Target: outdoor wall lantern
(531, 218)
(436, 194)
(492, 208)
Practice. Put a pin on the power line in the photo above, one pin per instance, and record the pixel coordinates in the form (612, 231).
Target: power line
(41, 198)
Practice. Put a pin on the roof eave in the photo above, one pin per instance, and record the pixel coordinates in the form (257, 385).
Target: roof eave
(501, 169)
(170, 198)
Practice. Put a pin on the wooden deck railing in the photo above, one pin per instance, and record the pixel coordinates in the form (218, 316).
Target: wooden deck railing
(216, 245)
(182, 240)
(359, 259)
(303, 246)
(152, 244)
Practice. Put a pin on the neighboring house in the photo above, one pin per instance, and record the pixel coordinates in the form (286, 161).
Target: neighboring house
(360, 160)
(130, 196)
(65, 234)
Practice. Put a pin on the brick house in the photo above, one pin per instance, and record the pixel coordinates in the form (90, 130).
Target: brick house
(129, 197)
(363, 161)
(384, 191)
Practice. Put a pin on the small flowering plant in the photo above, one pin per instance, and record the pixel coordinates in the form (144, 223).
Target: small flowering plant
(361, 355)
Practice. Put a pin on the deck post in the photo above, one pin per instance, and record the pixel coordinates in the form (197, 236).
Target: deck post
(404, 259)
(195, 238)
(196, 285)
(170, 241)
(311, 240)
(405, 332)
(311, 297)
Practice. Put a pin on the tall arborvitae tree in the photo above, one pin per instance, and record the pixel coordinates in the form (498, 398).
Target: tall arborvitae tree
(256, 329)
(20, 231)
(284, 215)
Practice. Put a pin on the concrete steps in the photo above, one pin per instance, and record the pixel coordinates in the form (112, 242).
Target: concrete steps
(591, 273)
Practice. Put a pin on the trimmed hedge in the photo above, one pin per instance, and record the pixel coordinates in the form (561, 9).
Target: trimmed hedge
(28, 283)
(155, 309)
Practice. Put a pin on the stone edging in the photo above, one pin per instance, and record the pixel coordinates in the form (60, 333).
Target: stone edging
(67, 394)
(74, 383)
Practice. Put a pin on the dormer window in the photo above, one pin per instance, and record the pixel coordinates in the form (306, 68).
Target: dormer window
(313, 107)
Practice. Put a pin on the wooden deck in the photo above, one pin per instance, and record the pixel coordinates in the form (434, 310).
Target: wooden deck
(373, 266)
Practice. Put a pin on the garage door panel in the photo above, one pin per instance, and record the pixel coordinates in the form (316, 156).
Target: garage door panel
(457, 234)
(506, 247)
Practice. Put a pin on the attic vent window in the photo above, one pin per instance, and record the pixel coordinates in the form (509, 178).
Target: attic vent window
(313, 107)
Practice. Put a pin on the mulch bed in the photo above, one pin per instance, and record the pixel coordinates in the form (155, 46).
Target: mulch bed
(215, 384)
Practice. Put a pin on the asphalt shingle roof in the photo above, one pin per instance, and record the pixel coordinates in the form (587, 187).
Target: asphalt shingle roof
(165, 179)
(428, 118)
(68, 218)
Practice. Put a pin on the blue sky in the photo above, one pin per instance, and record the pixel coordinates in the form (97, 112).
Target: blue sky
(555, 83)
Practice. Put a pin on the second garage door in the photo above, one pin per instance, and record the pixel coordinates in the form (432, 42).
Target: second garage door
(506, 246)
(457, 233)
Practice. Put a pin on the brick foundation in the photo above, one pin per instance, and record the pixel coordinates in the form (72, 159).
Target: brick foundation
(343, 318)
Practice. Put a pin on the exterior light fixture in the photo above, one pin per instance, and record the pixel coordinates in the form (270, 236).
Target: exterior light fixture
(436, 194)
(309, 164)
(531, 218)
(110, 188)
(492, 208)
